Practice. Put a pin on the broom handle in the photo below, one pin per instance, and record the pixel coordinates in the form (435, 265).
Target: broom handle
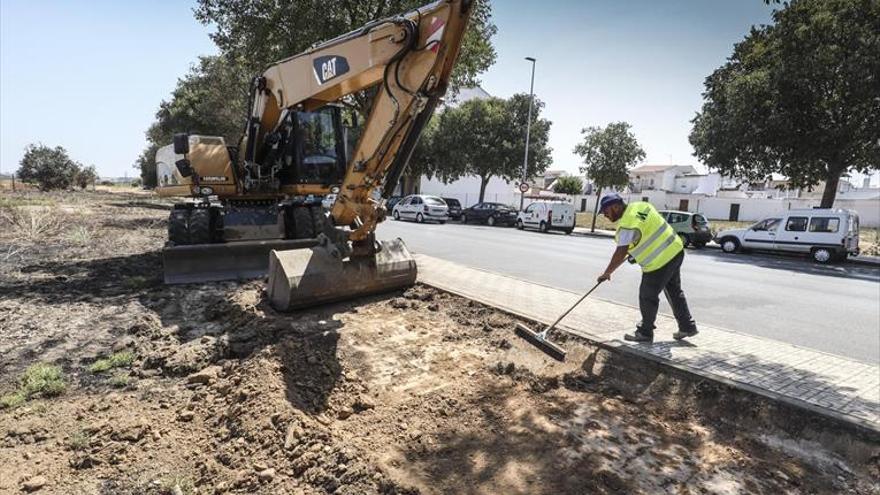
(551, 327)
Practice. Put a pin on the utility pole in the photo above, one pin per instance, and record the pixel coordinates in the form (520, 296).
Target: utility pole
(522, 196)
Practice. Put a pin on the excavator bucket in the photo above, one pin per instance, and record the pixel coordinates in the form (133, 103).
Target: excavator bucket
(308, 277)
(228, 261)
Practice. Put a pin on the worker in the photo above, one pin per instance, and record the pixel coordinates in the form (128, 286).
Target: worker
(645, 237)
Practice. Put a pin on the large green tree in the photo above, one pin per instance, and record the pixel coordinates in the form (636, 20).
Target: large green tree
(608, 152)
(799, 97)
(49, 168)
(486, 138)
(568, 185)
(259, 32)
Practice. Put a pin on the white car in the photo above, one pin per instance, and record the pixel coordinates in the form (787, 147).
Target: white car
(421, 208)
(546, 216)
(823, 233)
(328, 201)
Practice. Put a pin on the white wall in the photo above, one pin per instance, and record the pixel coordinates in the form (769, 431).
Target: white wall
(467, 190)
(750, 210)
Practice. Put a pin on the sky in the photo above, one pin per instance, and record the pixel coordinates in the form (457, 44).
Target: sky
(89, 76)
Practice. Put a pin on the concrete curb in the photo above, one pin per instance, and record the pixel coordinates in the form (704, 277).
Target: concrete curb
(865, 427)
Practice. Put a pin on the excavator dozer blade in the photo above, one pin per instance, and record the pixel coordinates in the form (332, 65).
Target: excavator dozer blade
(309, 277)
(229, 261)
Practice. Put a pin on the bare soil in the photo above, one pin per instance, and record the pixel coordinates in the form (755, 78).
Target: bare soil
(414, 392)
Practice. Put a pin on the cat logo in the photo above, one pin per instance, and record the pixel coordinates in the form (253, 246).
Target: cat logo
(643, 215)
(329, 67)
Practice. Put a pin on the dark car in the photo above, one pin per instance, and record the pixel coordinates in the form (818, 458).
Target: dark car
(454, 208)
(390, 202)
(490, 214)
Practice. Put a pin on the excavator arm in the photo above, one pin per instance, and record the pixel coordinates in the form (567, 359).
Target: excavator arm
(410, 57)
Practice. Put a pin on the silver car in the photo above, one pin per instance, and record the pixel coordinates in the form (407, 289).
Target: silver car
(421, 208)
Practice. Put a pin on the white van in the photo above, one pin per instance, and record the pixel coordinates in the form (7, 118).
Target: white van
(546, 216)
(823, 233)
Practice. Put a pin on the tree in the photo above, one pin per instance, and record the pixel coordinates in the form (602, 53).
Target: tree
(486, 137)
(50, 168)
(211, 100)
(800, 97)
(568, 185)
(608, 153)
(86, 176)
(260, 32)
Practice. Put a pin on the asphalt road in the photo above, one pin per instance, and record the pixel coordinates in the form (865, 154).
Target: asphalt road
(834, 308)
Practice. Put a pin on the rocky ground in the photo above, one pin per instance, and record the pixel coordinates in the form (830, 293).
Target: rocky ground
(413, 392)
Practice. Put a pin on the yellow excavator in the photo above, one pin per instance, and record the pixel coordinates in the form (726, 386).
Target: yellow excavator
(257, 207)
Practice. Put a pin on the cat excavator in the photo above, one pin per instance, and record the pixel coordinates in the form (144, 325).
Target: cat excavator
(256, 208)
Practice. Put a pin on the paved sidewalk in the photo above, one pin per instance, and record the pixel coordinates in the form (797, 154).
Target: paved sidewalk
(826, 383)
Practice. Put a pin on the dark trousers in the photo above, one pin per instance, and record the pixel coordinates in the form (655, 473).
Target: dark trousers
(668, 281)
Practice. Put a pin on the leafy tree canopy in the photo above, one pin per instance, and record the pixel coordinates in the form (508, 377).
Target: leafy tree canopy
(568, 185)
(486, 138)
(49, 168)
(799, 97)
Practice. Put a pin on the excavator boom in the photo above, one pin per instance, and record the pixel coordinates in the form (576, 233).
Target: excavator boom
(267, 194)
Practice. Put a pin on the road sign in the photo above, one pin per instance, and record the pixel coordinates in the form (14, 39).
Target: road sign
(523, 188)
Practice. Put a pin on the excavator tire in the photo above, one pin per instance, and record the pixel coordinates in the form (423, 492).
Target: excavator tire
(177, 227)
(200, 226)
(318, 218)
(303, 223)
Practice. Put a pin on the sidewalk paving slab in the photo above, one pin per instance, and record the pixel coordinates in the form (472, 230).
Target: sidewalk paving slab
(828, 384)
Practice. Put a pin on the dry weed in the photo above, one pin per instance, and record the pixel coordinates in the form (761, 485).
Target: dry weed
(30, 224)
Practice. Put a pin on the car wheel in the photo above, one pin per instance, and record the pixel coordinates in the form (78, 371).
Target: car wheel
(442, 222)
(729, 245)
(490, 221)
(822, 255)
(685, 239)
(420, 218)
(396, 215)
(519, 225)
(543, 227)
(568, 231)
(464, 219)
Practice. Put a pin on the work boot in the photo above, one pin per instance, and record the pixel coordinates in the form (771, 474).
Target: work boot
(638, 337)
(681, 334)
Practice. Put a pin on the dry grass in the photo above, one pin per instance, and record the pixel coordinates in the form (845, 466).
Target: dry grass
(30, 223)
(584, 219)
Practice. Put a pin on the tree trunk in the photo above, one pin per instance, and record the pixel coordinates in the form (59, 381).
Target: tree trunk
(484, 181)
(830, 191)
(596, 209)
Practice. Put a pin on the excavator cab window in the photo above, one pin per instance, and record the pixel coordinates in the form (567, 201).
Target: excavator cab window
(320, 147)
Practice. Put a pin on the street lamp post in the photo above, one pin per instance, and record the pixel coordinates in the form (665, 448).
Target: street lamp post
(525, 168)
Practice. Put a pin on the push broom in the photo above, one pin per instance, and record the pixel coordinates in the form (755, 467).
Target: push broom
(539, 339)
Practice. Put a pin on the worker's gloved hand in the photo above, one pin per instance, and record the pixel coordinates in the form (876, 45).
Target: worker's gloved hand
(603, 277)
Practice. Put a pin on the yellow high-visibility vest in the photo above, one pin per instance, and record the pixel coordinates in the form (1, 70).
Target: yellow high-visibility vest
(658, 242)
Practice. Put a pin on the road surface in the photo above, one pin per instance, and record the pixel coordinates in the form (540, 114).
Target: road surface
(833, 308)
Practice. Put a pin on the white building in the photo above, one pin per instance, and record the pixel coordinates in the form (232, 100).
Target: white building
(660, 177)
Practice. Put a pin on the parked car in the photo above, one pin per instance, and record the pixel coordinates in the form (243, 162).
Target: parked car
(825, 234)
(693, 228)
(328, 201)
(390, 202)
(489, 213)
(421, 208)
(546, 216)
(454, 208)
